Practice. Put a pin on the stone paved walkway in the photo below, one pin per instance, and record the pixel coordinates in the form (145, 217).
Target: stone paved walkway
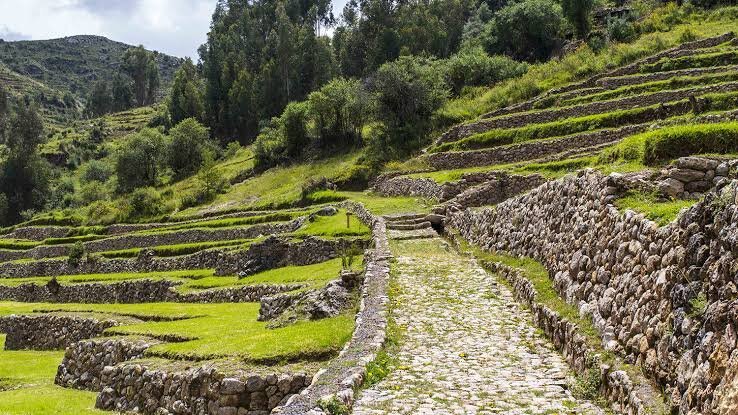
(467, 346)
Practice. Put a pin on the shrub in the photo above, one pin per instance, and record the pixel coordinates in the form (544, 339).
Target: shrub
(103, 211)
(96, 170)
(408, 92)
(140, 160)
(621, 30)
(145, 202)
(208, 184)
(339, 110)
(231, 149)
(474, 67)
(527, 30)
(189, 141)
(92, 192)
(579, 14)
(76, 253)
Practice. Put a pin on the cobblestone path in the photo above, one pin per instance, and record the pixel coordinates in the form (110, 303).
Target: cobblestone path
(466, 346)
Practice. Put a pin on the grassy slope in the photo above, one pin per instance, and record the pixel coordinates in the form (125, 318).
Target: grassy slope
(28, 380)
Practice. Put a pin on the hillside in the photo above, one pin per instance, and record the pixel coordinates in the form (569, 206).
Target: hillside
(69, 65)
(565, 243)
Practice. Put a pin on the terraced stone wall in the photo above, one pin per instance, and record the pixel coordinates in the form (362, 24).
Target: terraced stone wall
(664, 298)
(527, 151)
(346, 373)
(473, 189)
(84, 361)
(270, 253)
(136, 291)
(49, 332)
(171, 238)
(195, 391)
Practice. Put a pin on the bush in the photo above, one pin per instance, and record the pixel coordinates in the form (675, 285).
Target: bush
(232, 149)
(145, 202)
(189, 141)
(208, 184)
(339, 110)
(96, 170)
(92, 192)
(474, 67)
(408, 92)
(76, 253)
(140, 160)
(621, 30)
(526, 30)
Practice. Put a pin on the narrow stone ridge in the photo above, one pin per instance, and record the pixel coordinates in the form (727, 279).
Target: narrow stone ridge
(467, 346)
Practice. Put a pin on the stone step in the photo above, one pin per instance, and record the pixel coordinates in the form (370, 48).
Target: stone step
(409, 227)
(426, 233)
(403, 217)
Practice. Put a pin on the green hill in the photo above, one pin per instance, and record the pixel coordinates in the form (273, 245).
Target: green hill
(51, 69)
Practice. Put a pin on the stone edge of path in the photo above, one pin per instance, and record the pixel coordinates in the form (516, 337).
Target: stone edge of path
(624, 393)
(346, 373)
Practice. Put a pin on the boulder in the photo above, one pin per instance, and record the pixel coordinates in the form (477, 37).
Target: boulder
(671, 187)
(696, 163)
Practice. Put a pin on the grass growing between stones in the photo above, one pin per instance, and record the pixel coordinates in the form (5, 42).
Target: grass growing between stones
(660, 211)
(27, 386)
(546, 294)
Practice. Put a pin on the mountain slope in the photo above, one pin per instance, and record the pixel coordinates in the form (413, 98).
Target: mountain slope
(71, 64)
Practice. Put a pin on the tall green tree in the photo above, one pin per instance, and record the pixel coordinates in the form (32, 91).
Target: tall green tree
(24, 176)
(141, 66)
(100, 101)
(579, 15)
(122, 93)
(186, 99)
(140, 160)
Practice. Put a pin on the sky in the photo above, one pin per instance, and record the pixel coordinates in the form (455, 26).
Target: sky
(175, 27)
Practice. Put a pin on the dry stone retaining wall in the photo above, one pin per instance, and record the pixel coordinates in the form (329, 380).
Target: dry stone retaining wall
(270, 253)
(205, 390)
(630, 69)
(169, 238)
(347, 372)
(136, 291)
(598, 107)
(49, 332)
(84, 361)
(528, 150)
(664, 298)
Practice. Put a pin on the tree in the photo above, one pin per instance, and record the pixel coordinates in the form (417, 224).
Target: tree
(141, 66)
(579, 15)
(140, 160)
(408, 92)
(339, 110)
(526, 30)
(122, 93)
(186, 99)
(100, 101)
(24, 176)
(189, 142)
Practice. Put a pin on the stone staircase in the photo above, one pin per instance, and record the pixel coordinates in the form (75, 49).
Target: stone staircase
(410, 226)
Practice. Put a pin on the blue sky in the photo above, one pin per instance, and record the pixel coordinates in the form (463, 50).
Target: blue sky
(176, 27)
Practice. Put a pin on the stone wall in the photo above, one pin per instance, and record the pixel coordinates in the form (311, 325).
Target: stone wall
(473, 189)
(116, 243)
(37, 233)
(691, 177)
(664, 298)
(594, 81)
(136, 291)
(536, 117)
(347, 372)
(497, 189)
(84, 361)
(203, 390)
(407, 186)
(274, 252)
(49, 332)
(625, 394)
(528, 150)
(226, 261)
(617, 82)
